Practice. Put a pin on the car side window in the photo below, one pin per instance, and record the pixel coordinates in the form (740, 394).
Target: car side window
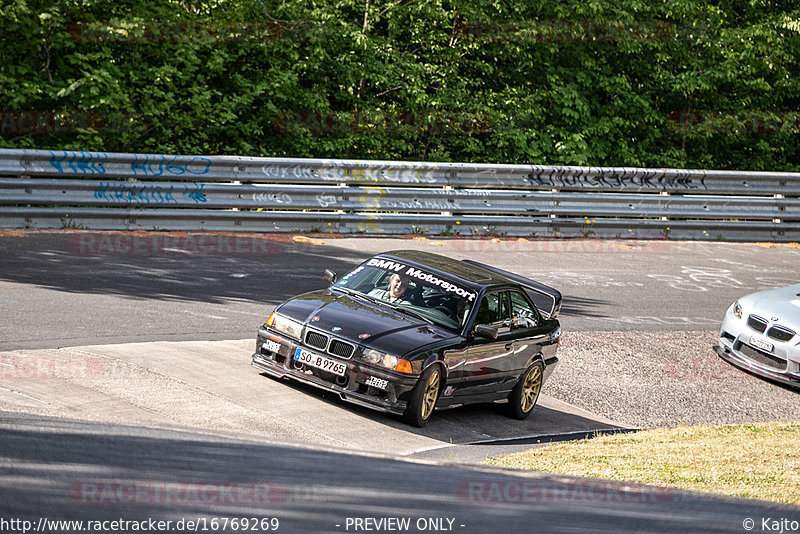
(523, 313)
(493, 309)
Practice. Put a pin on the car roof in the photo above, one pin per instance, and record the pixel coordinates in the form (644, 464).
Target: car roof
(436, 263)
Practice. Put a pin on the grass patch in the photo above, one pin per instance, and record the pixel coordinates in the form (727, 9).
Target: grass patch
(755, 461)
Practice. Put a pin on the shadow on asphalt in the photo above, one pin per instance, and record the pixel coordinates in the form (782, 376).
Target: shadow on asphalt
(173, 268)
(476, 423)
(72, 470)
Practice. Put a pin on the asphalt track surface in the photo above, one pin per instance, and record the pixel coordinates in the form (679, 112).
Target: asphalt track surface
(150, 306)
(81, 288)
(110, 472)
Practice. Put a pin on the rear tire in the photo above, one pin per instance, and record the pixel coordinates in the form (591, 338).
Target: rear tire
(523, 397)
(423, 398)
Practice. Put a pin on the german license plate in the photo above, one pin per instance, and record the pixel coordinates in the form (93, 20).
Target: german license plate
(761, 344)
(271, 346)
(320, 362)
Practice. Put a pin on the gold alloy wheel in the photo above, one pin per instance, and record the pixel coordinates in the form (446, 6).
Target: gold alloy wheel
(430, 395)
(531, 388)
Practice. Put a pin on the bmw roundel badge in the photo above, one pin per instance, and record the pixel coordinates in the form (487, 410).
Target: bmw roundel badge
(336, 329)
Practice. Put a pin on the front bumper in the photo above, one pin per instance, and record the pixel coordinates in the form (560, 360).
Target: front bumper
(352, 387)
(734, 346)
(787, 378)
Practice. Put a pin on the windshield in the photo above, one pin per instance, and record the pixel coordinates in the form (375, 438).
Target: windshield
(432, 297)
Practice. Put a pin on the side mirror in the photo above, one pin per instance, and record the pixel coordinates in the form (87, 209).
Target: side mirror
(329, 276)
(486, 331)
(523, 322)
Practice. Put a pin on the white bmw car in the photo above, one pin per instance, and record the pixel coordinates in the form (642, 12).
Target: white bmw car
(760, 334)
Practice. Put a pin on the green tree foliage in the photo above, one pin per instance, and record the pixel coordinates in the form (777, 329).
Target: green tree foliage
(685, 84)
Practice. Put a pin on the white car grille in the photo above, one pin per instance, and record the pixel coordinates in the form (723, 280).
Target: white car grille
(778, 332)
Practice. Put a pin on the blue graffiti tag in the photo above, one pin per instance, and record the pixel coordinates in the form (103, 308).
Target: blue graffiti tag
(78, 162)
(195, 192)
(134, 193)
(157, 165)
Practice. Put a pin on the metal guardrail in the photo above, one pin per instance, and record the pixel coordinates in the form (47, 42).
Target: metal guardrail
(53, 189)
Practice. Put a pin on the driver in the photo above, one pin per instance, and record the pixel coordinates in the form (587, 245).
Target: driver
(397, 288)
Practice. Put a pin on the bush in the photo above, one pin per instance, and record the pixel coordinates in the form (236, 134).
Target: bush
(672, 84)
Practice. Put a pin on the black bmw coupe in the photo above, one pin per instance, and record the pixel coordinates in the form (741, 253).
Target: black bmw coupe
(408, 332)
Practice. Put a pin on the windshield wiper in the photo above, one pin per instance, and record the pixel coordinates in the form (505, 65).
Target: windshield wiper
(354, 293)
(406, 311)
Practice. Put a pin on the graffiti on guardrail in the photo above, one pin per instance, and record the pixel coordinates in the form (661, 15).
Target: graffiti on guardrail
(511, 200)
(78, 162)
(326, 201)
(344, 171)
(599, 179)
(272, 198)
(416, 205)
(128, 193)
(159, 164)
(142, 164)
(460, 192)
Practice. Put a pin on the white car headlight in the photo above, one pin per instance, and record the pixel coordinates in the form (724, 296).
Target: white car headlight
(290, 327)
(737, 309)
(381, 358)
(373, 356)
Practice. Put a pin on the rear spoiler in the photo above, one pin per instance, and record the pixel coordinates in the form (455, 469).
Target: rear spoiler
(546, 298)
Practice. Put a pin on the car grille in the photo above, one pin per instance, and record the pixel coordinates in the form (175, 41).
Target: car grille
(337, 347)
(340, 348)
(781, 333)
(759, 324)
(761, 357)
(316, 340)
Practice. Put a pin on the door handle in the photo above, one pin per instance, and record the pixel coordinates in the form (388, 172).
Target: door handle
(509, 346)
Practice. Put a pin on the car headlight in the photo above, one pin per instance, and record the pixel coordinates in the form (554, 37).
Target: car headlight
(283, 324)
(737, 309)
(387, 360)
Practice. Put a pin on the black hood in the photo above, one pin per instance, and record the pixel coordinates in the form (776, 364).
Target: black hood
(363, 323)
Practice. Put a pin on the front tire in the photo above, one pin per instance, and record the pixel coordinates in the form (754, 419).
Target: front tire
(423, 398)
(525, 394)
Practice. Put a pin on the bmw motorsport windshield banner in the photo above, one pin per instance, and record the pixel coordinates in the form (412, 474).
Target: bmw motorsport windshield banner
(419, 274)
